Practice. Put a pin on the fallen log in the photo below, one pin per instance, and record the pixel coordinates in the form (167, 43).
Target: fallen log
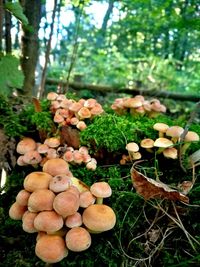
(132, 91)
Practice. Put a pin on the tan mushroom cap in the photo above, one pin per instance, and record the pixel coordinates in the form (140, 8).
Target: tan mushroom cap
(78, 239)
(37, 180)
(86, 199)
(74, 220)
(52, 142)
(132, 103)
(56, 166)
(84, 113)
(48, 221)
(41, 199)
(163, 142)
(99, 218)
(191, 137)
(25, 145)
(174, 131)
(16, 211)
(59, 183)
(22, 197)
(28, 222)
(52, 96)
(132, 147)
(161, 127)
(51, 248)
(170, 152)
(32, 157)
(147, 143)
(101, 189)
(66, 203)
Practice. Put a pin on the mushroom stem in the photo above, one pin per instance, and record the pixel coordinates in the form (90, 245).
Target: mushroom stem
(99, 200)
(184, 147)
(161, 134)
(160, 150)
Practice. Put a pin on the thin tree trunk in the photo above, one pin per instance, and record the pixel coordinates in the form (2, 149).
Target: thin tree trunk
(1, 24)
(48, 49)
(30, 44)
(7, 32)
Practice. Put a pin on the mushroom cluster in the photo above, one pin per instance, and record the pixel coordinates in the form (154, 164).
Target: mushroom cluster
(74, 113)
(62, 210)
(168, 138)
(138, 106)
(33, 153)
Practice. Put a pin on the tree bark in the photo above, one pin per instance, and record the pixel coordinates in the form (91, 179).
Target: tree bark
(8, 40)
(1, 24)
(30, 44)
(48, 49)
(131, 91)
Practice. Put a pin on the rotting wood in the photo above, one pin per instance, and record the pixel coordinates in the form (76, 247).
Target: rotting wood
(132, 91)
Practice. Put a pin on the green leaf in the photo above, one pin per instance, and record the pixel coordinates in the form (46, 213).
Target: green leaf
(16, 10)
(10, 75)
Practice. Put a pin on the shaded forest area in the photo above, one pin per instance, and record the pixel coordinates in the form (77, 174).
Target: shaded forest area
(99, 93)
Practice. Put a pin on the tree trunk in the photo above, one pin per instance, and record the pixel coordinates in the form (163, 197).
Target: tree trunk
(30, 43)
(48, 49)
(7, 32)
(1, 24)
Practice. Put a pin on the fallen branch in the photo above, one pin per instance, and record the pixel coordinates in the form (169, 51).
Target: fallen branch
(132, 91)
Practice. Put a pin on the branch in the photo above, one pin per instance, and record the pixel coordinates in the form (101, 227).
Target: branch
(132, 91)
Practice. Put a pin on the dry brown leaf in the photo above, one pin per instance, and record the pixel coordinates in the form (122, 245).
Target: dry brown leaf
(70, 136)
(149, 188)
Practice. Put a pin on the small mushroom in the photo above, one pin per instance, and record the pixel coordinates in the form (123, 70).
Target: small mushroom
(132, 147)
(25, 145)
(36, 180)
(22, 197)
(86, 199)
(78, 239)
(55, 166)
(28, 222)
(170, 152)
(174, 132)
(48, 221)
(161, 128)
(66, 203)
(16, 211)
(74, 220)
(99, 218)
(101, 190)
(59, 183)
(162, 143)
(148, 144)
(41, 199)
(51, 248)
(189, 138)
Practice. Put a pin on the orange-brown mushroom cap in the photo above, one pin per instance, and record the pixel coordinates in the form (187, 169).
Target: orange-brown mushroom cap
(78, 239)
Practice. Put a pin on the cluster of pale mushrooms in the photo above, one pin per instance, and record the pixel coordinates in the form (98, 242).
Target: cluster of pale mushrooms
(74, 113)
(33, 153)
(62, 210)
(138, 106)
(167, 142)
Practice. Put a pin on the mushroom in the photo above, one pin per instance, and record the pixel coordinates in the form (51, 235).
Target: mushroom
(99, 218)
(74, 220)
(101, 190)
(174, 132)
(86, 199)
(84, 113)
(189, 138)
(162, 143)
(78, 239)
(52, 96)
(48, 221)
(22, 197)
(37, 180)
(25, 145)
(161, 128)
(59, 183)
(132, 147)
(81, 125)
(32, 157)
(66, 203)
(52, 142)
(55, 166)
(16, 211)
(28, 222)
(41, 199)
(51, 248)
(170, 152)
(148, 144)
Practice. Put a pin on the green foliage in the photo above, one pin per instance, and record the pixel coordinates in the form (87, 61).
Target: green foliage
(16, 10)
(10, 75)
(42, 121)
